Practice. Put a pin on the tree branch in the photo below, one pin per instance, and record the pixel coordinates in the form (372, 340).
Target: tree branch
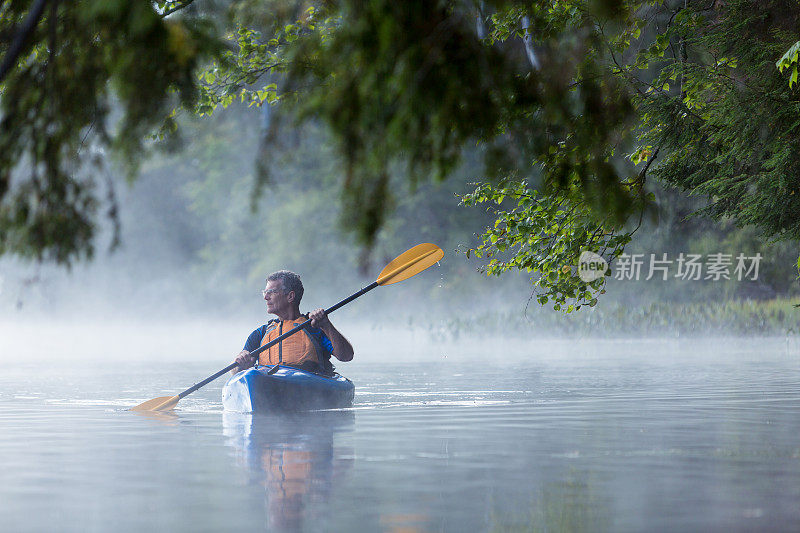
(178, 7)
(18, 45)
(641, 178)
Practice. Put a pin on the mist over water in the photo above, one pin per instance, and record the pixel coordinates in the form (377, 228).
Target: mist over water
(456, 426)
(471, 412)
(543, 434)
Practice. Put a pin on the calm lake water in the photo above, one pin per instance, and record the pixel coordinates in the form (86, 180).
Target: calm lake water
(608, 436)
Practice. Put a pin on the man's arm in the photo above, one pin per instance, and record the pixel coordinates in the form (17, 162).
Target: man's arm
(342, 349)
(244, 359)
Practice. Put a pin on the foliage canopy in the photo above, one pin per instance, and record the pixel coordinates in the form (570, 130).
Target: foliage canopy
(573, 107)
(79, 78)
(711, 102)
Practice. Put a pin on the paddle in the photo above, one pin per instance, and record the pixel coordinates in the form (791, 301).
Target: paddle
(408, 264)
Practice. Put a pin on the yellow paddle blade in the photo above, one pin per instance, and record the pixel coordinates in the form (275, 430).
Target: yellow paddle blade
(162, 403)
(410, 263)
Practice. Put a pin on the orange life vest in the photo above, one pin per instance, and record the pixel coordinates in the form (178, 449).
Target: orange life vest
(295, 350)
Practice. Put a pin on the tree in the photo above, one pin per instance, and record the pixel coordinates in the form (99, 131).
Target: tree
(411, 85)
(712, 104)
(563, 99)
(399, 84)
(78, 79)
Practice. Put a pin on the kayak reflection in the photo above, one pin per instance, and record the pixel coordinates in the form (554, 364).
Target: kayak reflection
(293, 456)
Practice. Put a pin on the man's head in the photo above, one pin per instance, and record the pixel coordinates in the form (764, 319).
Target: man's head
(289, 282)
(284, 290)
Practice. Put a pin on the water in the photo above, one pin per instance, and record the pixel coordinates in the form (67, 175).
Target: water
(610, 436)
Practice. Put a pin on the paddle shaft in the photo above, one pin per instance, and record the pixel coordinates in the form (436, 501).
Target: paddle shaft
(278, 339)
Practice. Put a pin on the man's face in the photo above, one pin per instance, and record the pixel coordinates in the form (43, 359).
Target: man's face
(277, 299)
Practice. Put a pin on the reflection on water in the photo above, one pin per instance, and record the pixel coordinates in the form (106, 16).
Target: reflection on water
(628, 437)
(169, 418)
(573, 505)
(292, 456)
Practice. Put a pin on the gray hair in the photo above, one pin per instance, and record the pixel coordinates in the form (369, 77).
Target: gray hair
(290, 282)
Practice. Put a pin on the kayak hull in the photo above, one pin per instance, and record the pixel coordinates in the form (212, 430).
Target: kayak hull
(288, 389)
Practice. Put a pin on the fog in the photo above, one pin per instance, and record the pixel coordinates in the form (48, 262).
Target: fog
(109, 342)
(194, 255)
(185, 281)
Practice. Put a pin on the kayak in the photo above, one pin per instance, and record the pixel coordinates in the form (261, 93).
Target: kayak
(288, 389)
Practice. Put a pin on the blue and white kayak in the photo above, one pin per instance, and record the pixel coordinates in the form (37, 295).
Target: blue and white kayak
(288, 389)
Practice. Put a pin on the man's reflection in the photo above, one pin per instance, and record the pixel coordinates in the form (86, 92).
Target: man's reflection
(293, 457)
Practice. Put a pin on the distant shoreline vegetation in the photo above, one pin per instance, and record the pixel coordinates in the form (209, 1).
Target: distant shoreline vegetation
(736, 318)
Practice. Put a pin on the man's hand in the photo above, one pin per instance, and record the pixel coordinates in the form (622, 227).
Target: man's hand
(245, 360)
(342, 349)
(319, 319)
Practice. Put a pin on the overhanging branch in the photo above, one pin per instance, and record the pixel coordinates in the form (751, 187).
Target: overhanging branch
(18, 45)
(176, 8)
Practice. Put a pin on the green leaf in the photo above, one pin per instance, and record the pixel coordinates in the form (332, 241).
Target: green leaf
(791, 56)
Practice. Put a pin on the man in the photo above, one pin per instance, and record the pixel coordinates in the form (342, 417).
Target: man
(309, 349)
